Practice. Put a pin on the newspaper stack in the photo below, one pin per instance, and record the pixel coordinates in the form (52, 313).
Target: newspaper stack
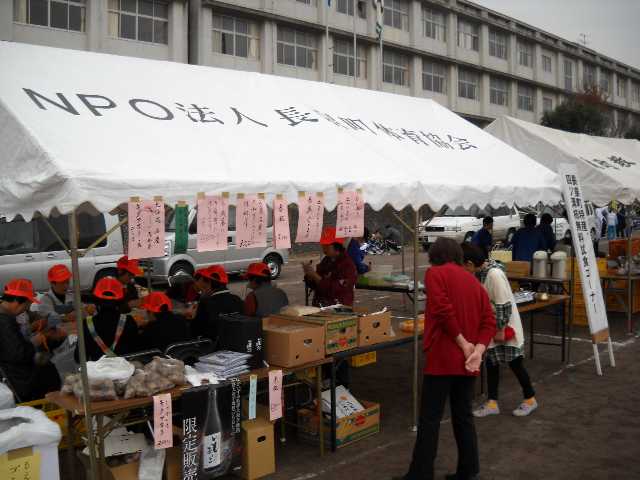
(224, 364)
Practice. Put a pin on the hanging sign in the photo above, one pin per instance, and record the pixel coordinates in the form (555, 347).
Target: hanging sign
(162, 424)
(213, 222)
(253, 391)
(146, 228)
(350, 212)
(310, 217)
(181, 239)
(281, 230)
(275, 395)
(251, 221)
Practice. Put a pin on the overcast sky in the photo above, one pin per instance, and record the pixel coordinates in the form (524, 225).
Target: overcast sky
(612, 26)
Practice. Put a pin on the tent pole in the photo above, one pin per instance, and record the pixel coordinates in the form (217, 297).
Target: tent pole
(629, 282)
(77, 302)
(416, 291)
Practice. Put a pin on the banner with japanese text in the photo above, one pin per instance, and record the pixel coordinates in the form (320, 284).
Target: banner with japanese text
(281, 229)
(310, 217)
(213, 222)
(350, 221)
(251, 221)
(146, 229)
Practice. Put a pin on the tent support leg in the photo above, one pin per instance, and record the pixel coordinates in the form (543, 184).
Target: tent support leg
(630, 299)
(416, 291)
(77, 302)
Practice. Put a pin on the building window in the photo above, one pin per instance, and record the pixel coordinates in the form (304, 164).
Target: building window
(468, 35)
(498, 44)
(236, 36)
(434, 24)
(396, 68)
(546, 63)
(635, 92)
(547, 104)
(142, 20)
(346, 7)
(589, 76)
(468, 84)
(396, 14)
(525, 98)
(63, 14)
(296, 48)
(343, 58)
(622, 87)
(434, 76)
(568, 75)
(307, 2)
(525, 54)
(605, 82)
(499, 91)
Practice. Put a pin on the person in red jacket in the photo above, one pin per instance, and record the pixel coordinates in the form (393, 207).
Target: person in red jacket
(334, 279)
(459, 324)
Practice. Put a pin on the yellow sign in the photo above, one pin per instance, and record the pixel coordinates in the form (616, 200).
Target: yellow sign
(21, 464)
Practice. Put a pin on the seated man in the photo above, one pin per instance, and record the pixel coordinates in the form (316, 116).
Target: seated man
(215, 299)
(264, 299)
(164, 327)
(30, 376)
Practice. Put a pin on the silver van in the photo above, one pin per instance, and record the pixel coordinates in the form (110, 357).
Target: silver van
(30, 249)
(234, 260)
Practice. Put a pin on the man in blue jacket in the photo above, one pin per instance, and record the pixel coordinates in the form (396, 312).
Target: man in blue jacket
(528, 240)
(483, 238)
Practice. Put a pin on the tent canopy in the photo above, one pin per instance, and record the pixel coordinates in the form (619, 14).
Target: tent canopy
(81, 127)
(609, 168)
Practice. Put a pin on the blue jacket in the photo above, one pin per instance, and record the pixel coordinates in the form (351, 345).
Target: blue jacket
(526, 242)
(357, 256)
(483, 239)
(548, 235)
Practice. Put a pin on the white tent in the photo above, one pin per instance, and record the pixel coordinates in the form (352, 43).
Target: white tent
(630, 148)
(608, 169)
(84, 127)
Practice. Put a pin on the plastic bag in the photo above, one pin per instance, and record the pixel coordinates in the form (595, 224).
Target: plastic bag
(168, 367)
(151, 464)
(63, 358)
(26, 427)
(99, 390)
(137, 386)
(116, 369)
(6, 397)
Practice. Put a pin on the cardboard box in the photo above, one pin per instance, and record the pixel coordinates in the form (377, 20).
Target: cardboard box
(258, 449)
(289, 343)
(341, 331)
(173, 464)
(24, 459)
(373, 327)
(349, 429)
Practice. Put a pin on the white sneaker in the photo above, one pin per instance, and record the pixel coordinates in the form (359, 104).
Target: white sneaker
(487, 409)
(525, 409)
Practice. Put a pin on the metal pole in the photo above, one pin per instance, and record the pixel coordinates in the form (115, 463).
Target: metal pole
(77, 302)
(355, 45)
(416, 291)
(629, 282)
(571, 301)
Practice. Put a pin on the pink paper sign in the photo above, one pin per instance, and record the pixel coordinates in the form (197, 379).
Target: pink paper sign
(213, 223)
(350, 221)
(275, 395)
(146, 229)
(251, 222)
(162, 424)
(281, 230)
(310, 218)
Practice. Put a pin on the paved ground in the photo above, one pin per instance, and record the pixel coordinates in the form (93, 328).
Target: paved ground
(587, 427)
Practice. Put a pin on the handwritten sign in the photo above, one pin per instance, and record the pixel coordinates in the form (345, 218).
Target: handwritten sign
(275, 395)
(162, 425)
(251, 221)
(213, 222)
(21, 464)
(253, 390)
(146, 229)
(350, 222)
(310, 217)
(281, 230)
(181, 238)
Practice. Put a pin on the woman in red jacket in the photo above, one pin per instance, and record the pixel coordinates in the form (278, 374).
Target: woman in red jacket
(459, 324)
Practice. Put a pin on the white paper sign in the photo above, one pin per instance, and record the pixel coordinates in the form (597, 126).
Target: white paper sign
(251, 222)
(310, 217)
(146, 229)
(213, 223)
(582, 243)
(350, 221)
(281, 229)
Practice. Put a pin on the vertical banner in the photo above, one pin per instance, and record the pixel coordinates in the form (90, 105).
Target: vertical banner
(281, 230)
(146, 228)
(213, 222)
(585, 256)
(181, 241)
(253, 391)
(251, 221)
(162, 424)
(193, 423)
(310, 217)
(275, 395)
(350, 221)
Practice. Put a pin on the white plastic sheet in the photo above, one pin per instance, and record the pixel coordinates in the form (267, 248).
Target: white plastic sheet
(26, 427)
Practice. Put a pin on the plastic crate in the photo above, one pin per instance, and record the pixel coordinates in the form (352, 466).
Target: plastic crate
(58, 415)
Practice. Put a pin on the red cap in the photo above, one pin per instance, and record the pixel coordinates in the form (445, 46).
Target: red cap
(258, 269)
(20, 287)
(131, 266)
(108, 288)
(329, 236)
(155, 301)
(59, 273)
(215, 273)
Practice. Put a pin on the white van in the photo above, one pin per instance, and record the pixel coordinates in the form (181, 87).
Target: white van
(29, 249)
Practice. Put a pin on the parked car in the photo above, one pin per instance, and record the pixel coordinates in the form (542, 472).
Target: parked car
(30, 249)
(460, 225)
(233, 259)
